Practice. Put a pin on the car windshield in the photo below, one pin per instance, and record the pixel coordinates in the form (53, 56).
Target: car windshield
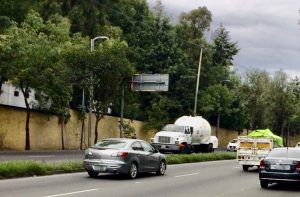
(285, 152)
(234, 141)
(114, 144)
(176, 128)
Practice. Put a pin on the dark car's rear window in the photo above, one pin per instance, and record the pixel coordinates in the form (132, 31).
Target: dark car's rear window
(285, 152)
(114, 144)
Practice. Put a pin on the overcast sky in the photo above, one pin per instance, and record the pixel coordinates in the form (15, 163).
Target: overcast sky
(267, 31)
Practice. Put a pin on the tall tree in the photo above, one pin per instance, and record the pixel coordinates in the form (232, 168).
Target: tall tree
(113, 70)
(102, 71)
(217, 100)
(34, 53)
(283, 102)
(255, 89)
(223, 48)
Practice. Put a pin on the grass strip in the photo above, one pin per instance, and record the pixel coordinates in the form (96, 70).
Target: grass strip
(199, 157)
(13, 169)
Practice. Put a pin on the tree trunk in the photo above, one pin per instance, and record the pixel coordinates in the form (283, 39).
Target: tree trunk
(25, 92)
(218, 125)
(62, 132)
(82, 125)
(96, 130)
(27, 143)
(1, 82)
(82, 134)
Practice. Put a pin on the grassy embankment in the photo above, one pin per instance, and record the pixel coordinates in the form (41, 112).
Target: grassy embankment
(13, 169)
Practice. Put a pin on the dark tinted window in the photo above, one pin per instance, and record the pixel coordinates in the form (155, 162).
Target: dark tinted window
(147, 147)
(137, 146)
(114, 144)
(285, 152)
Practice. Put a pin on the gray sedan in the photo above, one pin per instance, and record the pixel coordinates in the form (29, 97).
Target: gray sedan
(123, 156)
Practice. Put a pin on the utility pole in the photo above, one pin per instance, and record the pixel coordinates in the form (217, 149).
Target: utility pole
(197, 85)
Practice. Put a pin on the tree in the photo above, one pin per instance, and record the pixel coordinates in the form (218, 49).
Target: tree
(16, 10)
(34, 54)
(223, 49)
(4, 66)
(217, 100)
(112, 71)
(102, 71)
(255, 88)
(282, 100)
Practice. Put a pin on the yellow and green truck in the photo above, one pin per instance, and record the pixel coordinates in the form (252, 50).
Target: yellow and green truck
(255, 146)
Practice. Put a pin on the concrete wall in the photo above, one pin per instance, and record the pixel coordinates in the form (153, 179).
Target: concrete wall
(45, 131)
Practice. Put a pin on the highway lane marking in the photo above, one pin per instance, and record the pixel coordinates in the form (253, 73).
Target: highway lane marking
(186, 175)
(70, 193)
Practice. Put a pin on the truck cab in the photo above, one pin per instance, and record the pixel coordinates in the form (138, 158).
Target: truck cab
(173, 138)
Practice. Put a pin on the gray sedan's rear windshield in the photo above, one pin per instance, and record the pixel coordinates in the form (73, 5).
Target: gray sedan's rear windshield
(290, 153)
(115, 144)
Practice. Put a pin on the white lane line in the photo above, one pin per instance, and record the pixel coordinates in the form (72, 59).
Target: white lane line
(186, 175)
(70, 193)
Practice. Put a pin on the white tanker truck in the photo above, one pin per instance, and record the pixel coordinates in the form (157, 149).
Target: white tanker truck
(188, 134)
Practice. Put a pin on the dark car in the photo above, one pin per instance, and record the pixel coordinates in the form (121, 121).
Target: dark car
(123, 156)
(281, 165)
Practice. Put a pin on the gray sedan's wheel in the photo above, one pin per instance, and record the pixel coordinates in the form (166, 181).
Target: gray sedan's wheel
(264, 184)
(133, 171)
(162, 168)
(93, 174)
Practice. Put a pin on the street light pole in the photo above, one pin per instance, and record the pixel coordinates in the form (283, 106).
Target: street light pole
(197, 85)
(91, 92)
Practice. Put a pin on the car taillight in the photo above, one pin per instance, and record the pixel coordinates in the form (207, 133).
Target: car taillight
(298, 166)
(262, 164)
(122, 154)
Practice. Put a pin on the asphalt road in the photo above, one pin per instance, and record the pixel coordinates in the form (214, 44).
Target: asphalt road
(212, 179)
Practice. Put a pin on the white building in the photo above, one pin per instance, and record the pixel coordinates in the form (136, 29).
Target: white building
(13, 96)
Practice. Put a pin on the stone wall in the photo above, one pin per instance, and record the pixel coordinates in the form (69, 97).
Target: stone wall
(45, 131)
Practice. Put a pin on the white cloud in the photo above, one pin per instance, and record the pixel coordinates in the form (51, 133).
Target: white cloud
(267, 31)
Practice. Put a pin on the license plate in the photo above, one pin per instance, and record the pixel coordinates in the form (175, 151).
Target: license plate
(99, 168)
(280, 167)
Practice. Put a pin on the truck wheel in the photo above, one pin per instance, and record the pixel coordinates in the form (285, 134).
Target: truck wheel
(189, 150)
(183, 149)
(210, 148)
(245, 167)
(264, 184)
(93, 174)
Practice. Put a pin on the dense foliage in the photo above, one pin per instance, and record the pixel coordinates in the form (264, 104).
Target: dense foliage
(45, 46)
